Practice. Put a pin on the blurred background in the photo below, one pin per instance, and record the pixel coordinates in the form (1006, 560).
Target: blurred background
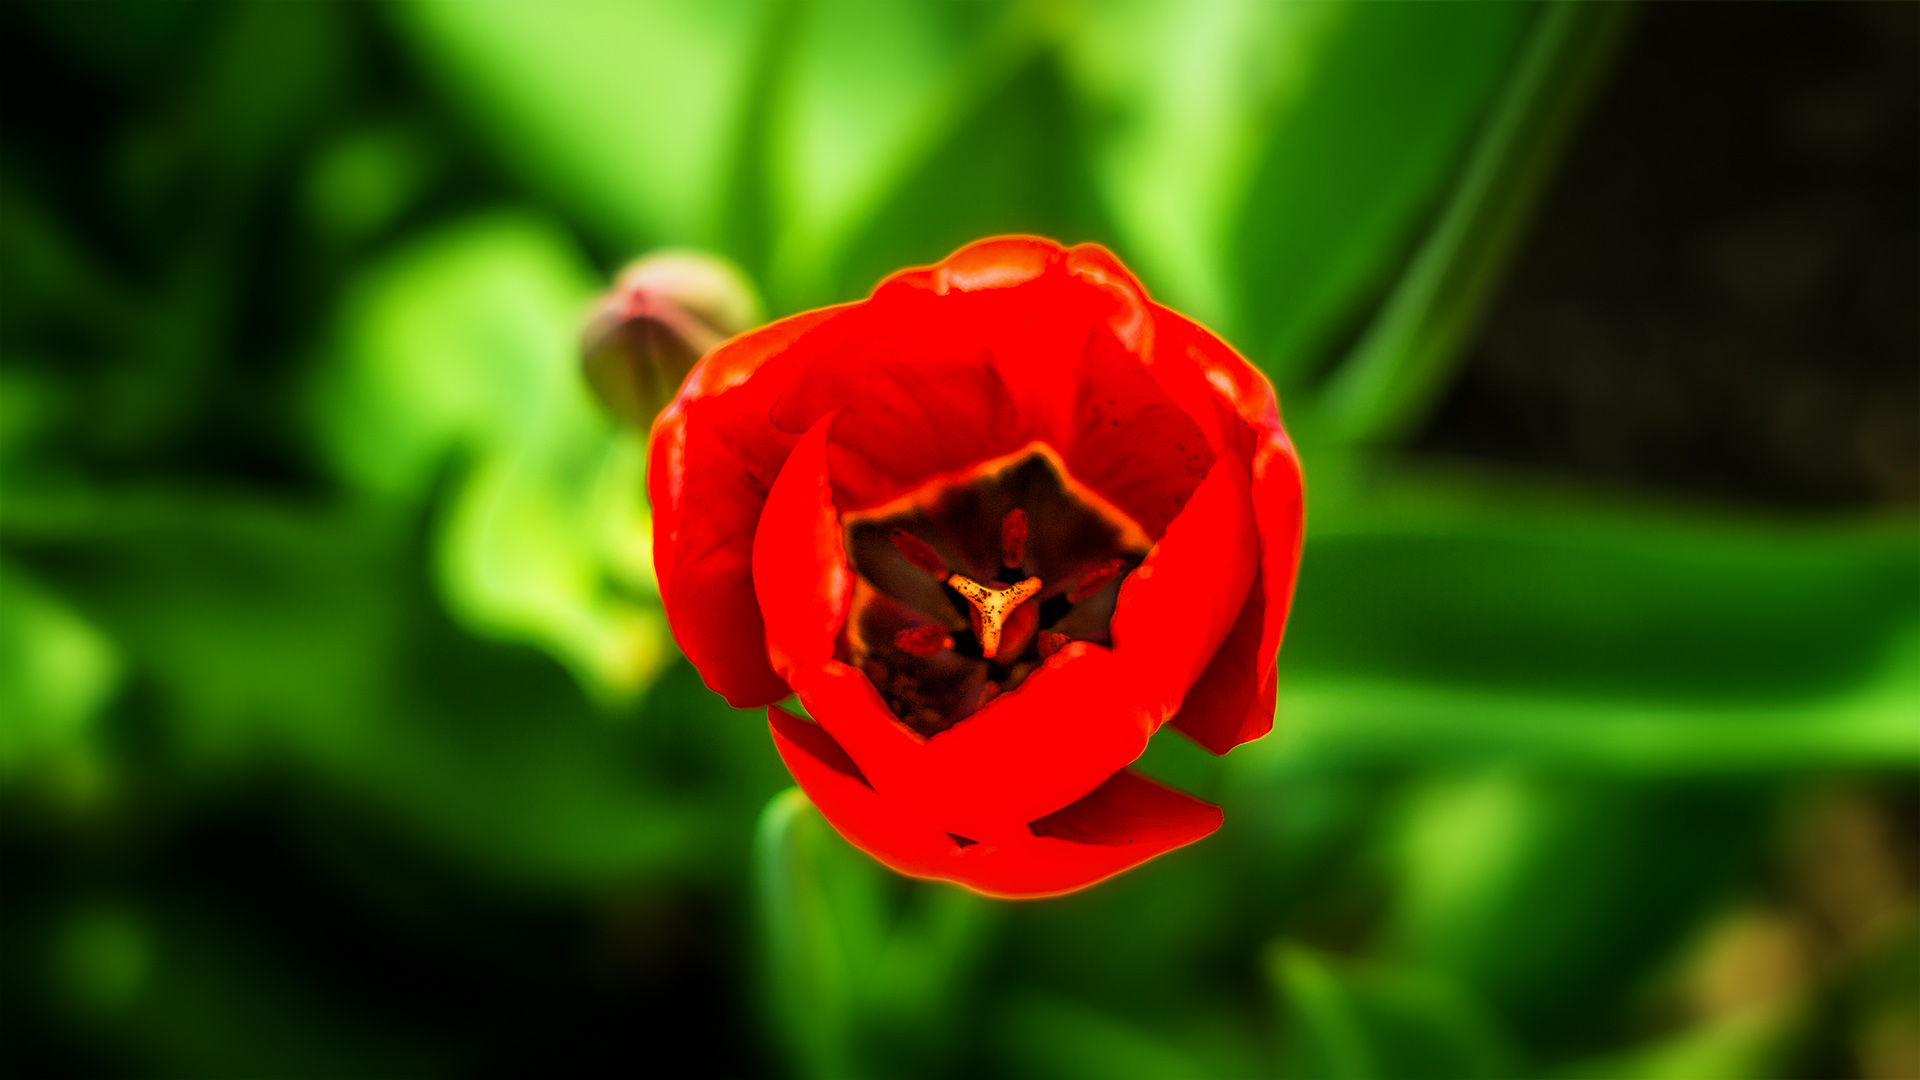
(340, 734)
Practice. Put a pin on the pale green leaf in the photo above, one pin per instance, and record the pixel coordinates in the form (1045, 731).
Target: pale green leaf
(869, 91)
(57, 671)
(630, 114)
(461, 351)
(1187, 95)
(1265, 163)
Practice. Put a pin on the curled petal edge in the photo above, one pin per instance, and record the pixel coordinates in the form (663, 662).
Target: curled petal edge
(800, 574)
(1179, 605)
(1072, 724)
(704, 564)
(1233, 700)
(1125, 821)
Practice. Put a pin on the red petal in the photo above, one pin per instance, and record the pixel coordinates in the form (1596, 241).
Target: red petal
(1115, 293)
(1130, 809)
(800, 572)
(849, 708)
(917, 394)
(1278, 508)
(1071, 724)
(997, 263)
(1230, 374)
(728, 367)
(715, 440)
(1232, 701)
(850, 806)
(1278, 511)
(1127, 440)
(1124, 821)
(1032, 341)
(817, 744)
(1176, 607)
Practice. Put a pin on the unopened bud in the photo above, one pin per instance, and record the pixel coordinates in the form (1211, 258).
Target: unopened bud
(664, 312)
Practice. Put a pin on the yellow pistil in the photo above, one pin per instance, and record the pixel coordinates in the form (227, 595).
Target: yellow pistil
(993, 606)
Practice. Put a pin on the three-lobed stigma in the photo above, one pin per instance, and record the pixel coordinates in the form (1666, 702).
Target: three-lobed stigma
(992, 606)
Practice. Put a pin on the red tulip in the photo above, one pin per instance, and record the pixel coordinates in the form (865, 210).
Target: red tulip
(993, 525)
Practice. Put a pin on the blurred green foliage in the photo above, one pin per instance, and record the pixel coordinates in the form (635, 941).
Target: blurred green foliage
(461, 346)
(340, 732)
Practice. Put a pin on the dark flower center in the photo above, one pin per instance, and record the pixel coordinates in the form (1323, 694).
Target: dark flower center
(968, 583)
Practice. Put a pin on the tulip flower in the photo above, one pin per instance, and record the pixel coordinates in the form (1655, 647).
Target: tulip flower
(993, 526)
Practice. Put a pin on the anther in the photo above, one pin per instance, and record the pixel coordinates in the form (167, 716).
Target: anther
(925, 640)
(991, 606)
(1052, 642)
(1013, 538)
(919, 553)
(1094, 581)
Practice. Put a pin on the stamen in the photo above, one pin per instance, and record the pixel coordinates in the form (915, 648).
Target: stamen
(989, 691)
(1052, 642)
(919, 553)
(1013, 538)
(991, 606)
(1094, 581)
(925, 640)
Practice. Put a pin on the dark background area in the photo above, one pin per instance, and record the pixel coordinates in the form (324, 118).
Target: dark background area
(1718, 297)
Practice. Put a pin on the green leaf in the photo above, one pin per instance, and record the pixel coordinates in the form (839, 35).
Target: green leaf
(1184, 96)
(1012, 165)
(866, 94)
(363, 181)
(1552, 893)
(308, 640)
(807, 984)
(1749, 1045)
(629, 114)
(1264, 163)
(57, 671)
(1344, 1021)
(864, 973)
(266, 82)
(1045, 1036)
(1434, 618)
(462, 350)
(1401, 364)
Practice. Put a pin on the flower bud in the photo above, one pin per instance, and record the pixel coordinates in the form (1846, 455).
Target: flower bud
(663, 313)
